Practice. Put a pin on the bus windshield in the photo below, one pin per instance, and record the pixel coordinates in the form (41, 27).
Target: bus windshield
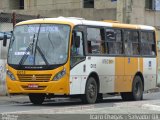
(39, 44)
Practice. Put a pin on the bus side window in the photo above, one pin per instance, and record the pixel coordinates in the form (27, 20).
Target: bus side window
(135, 43)
(131, 42)
(148, 43)
(127, 43)
(114, 41)
(95, 41)
(152, 42)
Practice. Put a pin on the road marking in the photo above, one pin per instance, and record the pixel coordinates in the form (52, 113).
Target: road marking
(151, 107)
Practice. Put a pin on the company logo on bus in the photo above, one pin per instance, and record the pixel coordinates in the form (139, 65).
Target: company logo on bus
(107, 61)
(33, 77)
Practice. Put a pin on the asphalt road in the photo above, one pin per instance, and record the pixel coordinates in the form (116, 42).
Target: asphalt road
(51, 109)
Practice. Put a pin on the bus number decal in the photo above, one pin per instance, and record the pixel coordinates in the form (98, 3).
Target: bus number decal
(93, 65)
(21, 72)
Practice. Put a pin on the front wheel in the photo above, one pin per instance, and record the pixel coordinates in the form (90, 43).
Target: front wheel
(137, 90)
(90, 95)
(37, 99)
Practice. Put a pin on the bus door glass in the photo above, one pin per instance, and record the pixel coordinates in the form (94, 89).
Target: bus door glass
(77, 52)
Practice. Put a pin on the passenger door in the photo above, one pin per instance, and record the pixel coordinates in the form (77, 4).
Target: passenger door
(77, 61)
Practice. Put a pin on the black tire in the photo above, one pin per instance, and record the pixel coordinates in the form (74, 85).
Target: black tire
(137, 91)
(37, 99)
(99, 98)
(90, 95)
(126, 96)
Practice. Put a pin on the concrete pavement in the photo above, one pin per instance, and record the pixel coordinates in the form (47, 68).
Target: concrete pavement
(19, 108)
(110, 105)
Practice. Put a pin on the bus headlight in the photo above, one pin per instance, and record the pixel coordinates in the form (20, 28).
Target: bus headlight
(59, 75)
(10, 75)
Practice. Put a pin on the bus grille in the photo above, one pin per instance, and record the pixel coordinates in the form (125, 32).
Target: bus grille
(34, 78)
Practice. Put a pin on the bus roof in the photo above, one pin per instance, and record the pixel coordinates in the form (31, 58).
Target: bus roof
(80, 21)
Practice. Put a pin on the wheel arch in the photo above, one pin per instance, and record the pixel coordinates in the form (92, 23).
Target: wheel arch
(95, 75)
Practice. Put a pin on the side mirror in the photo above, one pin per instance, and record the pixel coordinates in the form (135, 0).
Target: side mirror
(1, 35)
(5, 40)
(77, 41)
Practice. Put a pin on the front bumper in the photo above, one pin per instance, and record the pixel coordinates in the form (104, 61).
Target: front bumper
(52, 87)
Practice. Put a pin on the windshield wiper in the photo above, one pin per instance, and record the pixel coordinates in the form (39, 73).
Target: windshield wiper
(24, 57)
(30, 47)
(38, 48)
(42, 55)
(26, 54)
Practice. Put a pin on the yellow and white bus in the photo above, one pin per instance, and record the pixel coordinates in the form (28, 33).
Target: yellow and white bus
(81, 58)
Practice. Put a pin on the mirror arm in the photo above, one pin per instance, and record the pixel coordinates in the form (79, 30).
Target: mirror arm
(5, 40)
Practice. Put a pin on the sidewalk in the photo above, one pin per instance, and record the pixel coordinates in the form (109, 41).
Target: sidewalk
(157, 89)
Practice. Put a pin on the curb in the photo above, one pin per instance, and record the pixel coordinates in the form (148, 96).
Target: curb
(157, 89)
(151, 107)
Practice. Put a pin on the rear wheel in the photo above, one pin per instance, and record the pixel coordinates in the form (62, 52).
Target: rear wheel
(137, 90)
(90, 95)
(99, 98)
(37, 99)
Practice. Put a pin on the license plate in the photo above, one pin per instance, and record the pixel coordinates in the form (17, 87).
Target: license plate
(32, 86)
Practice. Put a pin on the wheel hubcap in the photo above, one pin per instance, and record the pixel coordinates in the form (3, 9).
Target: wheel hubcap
(91, 90)
(137, 89)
